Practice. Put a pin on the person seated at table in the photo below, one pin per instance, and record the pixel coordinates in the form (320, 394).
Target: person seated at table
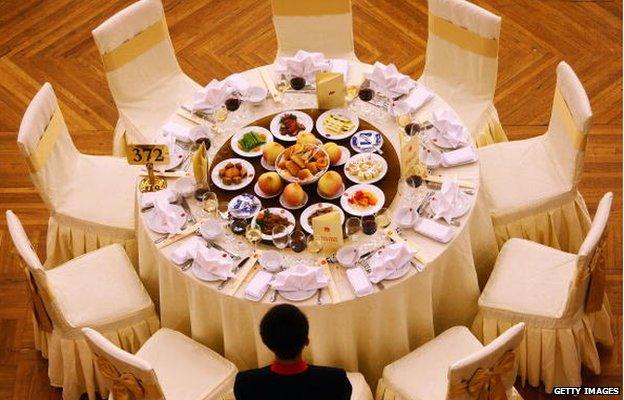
(284, 330)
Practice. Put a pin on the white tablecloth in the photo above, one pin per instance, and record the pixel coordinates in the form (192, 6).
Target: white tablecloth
(358, 334)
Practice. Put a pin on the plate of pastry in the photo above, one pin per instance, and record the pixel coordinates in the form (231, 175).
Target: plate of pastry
(337, 123)
(366, 168)
(287, 125)
(302, 163)
(232, 174)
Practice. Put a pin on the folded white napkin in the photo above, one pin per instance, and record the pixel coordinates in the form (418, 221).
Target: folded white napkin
(431, 157)
(417, 98)
(388, 260)
(405, 216)
(258, 286)
(447, 201)
(212, 97)
(147, 199)
(238, 83)
(187, 250)
(450, 130)
(461, 156)
(179, 131)
(303, 64)
(300, 277)
(167, 216)
(340, 66)
(216, 262)
(359, 281)
(434, 230)
(387, 80)
(170, 142)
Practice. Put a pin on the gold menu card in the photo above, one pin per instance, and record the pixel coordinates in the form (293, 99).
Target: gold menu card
(330, 90)
(327, 229)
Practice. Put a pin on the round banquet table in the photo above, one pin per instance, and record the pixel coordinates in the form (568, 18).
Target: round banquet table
(359, 334)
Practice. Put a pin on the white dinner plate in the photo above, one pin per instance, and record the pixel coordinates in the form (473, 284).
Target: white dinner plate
(398, 273)
(344, 156)
(431, 156)
(279, 211)
(299, 295)
(460, 210)
(246, 164)
(373, 137)
(303, 219)
(302, 118)
(204, 275)
(374, 157)
(342, 112)
(156, 225)
(362, 211)
(241, 132)
(266, 166)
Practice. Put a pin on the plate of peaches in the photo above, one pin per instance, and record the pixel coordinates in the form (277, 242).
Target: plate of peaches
(362, 200)
(302, 163)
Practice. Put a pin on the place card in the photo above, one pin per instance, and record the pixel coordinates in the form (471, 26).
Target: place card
(327, 229)
(330, 90)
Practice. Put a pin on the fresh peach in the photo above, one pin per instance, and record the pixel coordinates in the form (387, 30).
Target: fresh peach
(270, 183)
(334, 152)
(294, 194)
(330, 184)
(306, 138)
(271, 151)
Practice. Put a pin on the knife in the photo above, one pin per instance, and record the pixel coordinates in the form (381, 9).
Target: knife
(187, 208)
(240, 264)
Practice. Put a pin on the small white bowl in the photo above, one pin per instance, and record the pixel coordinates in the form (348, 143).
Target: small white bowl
(256, 94)
(185, 186)
(271, 261)
(211, 229)
(405, 217)
(347, 256)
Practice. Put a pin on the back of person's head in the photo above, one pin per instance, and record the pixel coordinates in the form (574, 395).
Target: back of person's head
(284, 330)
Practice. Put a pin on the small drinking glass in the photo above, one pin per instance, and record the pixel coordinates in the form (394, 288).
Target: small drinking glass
(382, 218)
(210, 203)
(353, 227)
(369, 226)
(297, 241)
(314, 245)
(224, 210)
(238, 226)
(280, 236)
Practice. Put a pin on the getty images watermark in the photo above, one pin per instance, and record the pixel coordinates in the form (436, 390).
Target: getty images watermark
(586, 391)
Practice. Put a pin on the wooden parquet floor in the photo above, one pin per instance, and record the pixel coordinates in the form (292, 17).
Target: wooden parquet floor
(50, 40)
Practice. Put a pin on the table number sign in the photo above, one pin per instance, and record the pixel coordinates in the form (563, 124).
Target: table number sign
(330, 90)
(327, 229)
(149, 155)
(410, 159)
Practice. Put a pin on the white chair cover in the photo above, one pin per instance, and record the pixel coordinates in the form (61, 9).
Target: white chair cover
(324, 26)
(86, 213)
(446, 366)
(99, 289)
(547, 290)
(168, 366)
(462, 64)
(531, 185)
(143, 73)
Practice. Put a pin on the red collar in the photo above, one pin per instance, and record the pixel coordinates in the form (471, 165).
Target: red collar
(289, 369)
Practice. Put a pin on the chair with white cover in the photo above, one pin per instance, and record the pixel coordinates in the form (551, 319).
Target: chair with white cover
(324, 26)
(91, 199)
(461, 64)
(455, 366)
(559, 296)
(99, 289)
(359, 388)
(530, 186)
(143, 73)
(169, 366)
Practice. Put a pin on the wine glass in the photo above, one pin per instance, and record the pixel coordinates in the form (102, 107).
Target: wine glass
(280, 236)
(352, 92)
(382, 218)
(253, 234)
(297, 241)
(220, 115)
(224, 210)
(353, 226)
(209, 203)
(314, 245)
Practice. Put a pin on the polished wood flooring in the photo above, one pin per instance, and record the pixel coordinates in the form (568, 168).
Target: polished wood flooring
(50, 40)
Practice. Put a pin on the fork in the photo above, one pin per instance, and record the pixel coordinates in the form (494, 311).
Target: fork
(319, 292)
(219, 247)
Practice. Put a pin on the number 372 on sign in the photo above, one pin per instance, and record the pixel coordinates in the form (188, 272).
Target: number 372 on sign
(142, 154)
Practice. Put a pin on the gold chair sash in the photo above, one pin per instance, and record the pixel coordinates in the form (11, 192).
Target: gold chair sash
(462, 37)
(485, 383)
(578, 137)
(38, 158)
(135, 46)
(126, 386)
(305, 8)
(596, 274)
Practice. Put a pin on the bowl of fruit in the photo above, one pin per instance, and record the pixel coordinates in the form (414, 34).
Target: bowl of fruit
(302, 163)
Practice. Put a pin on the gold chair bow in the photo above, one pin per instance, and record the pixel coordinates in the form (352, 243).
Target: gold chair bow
(485, 383)
(123, 385)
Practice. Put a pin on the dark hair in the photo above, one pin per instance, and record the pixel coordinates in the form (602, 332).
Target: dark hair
(284, 330)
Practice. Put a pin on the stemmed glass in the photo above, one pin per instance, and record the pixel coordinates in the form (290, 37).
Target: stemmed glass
(280, 237)
(314, 245)
(209, 203)
(224, 210)
(382, 218)
(220, 115)
(353, 227)
(253, 234)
